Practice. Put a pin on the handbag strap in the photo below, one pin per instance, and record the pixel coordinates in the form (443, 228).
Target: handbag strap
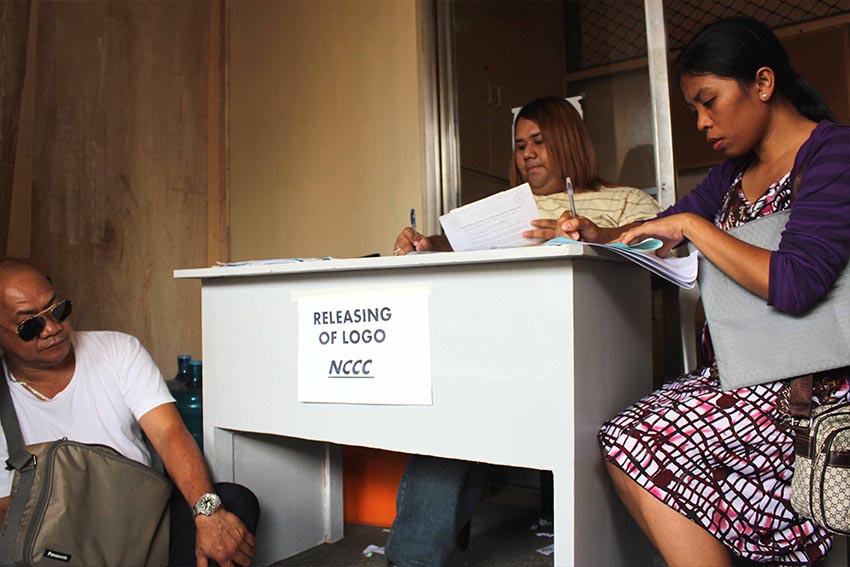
(800, 399)
(8, 416)
(796, 185)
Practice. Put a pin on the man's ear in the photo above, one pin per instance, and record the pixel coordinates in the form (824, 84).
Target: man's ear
(765, 83)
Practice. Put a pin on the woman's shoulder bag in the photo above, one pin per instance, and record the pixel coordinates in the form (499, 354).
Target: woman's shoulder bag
(755, 343)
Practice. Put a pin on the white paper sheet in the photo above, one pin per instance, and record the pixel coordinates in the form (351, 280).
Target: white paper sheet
(495, 222)
(365, 345)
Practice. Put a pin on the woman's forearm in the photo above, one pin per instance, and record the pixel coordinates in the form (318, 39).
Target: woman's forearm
(746, 264)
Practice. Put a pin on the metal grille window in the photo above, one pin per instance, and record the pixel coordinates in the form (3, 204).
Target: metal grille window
(612, 31)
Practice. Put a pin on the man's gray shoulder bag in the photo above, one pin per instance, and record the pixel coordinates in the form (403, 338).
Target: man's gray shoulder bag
(755, 343)
(80, 504)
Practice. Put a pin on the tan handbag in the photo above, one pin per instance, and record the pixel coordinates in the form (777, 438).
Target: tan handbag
(820, 487)
(80, 504)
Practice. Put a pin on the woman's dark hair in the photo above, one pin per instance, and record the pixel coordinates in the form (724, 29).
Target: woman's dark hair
(736, 48)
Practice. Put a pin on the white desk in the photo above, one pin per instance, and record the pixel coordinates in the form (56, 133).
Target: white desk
(531, 350)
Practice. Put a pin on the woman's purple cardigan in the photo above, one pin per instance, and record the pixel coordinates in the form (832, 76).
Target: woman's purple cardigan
(815, 245)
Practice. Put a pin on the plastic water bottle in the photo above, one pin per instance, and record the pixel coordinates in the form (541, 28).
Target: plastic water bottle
(183, 368)
(190, 401)
(195, 374)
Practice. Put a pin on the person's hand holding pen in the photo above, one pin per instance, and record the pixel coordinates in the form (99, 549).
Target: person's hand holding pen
(547, 229)
(409, 240)
(578, 228)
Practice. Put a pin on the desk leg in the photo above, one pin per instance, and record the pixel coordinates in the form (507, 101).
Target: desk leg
(564, 516)
(298, 484)
(591, 524)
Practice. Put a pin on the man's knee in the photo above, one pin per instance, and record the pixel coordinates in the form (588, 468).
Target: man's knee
(239, 500)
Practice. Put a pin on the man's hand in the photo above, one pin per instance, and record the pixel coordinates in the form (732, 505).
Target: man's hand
(224, 539)
(222, 536)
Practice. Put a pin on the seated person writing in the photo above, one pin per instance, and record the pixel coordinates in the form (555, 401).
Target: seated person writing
(551, 144)
(706, 473)
(436, 497)
(103, 387)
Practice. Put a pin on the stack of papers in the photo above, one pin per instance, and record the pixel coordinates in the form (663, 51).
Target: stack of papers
(495, 222)
(680, 271)
(274, 261)
(499, 221)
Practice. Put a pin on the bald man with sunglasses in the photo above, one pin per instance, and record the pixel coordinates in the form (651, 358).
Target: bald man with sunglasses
(57, 376)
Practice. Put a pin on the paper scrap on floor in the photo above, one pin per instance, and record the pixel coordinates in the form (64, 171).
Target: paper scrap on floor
(372, 548)
(494, 222)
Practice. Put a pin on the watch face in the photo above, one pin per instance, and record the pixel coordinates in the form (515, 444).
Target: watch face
(207, 504)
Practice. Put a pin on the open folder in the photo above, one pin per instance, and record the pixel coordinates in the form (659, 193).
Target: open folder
(680, 271)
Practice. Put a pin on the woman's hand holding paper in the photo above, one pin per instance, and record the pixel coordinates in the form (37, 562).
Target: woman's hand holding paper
(669, 230)
(545, 230)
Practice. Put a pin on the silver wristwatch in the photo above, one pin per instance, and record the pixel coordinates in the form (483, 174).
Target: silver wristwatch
(207, 505)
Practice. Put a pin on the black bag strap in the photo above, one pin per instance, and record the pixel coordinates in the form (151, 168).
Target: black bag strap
(8, 416)
(26, 474)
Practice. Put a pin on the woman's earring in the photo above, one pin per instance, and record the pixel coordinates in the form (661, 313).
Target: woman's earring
(764, 96)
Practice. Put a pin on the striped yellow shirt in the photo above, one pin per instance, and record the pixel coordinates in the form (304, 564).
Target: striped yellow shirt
(608, 207)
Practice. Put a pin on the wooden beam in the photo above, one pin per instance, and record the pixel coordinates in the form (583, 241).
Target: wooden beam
(19, 243)
(218, 215)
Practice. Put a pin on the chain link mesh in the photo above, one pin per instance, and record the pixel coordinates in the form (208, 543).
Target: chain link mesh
(610, 31)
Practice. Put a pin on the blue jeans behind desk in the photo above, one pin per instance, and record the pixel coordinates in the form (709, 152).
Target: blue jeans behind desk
(436, 498)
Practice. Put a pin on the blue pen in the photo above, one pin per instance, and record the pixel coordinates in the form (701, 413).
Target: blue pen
(413, 219)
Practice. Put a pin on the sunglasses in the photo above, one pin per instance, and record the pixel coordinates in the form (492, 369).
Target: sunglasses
(32, 327)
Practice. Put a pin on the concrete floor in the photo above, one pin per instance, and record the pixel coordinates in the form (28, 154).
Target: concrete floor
(502, 536)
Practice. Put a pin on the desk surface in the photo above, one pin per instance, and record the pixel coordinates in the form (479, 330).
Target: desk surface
(408, 261)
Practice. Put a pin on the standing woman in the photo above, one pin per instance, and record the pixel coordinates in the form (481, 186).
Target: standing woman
(703, 471)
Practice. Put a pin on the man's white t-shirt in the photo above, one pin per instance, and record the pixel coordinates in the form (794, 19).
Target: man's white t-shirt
(115, 383)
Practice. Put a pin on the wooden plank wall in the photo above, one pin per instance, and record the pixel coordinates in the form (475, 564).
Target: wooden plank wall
(14, 21)
(120, 164)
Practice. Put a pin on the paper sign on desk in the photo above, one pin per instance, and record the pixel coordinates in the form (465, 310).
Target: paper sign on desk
(680, 271)
(495, 222)
(364, 345)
